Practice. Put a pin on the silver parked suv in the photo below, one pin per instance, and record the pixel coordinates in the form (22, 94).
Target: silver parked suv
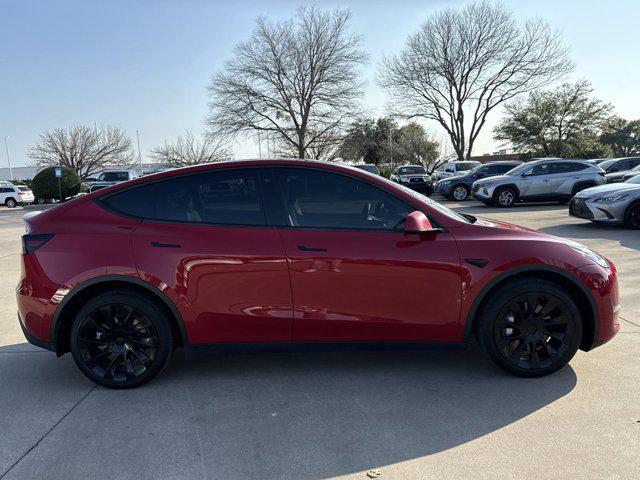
(540, 180)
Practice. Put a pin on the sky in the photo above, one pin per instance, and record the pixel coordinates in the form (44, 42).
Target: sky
(144, 65)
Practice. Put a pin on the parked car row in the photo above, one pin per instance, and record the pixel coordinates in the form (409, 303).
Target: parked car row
(600, 191)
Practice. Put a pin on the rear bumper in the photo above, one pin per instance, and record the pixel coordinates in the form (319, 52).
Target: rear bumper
(32, 339)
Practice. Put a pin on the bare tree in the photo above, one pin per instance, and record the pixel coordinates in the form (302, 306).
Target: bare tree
(189, 150)
(297, 80)
(462, 64)
(86, 150)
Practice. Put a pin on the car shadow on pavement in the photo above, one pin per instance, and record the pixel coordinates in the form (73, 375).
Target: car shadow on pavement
(285, 415)
(589, 230)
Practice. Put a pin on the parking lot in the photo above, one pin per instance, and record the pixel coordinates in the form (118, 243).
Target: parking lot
(427, 414)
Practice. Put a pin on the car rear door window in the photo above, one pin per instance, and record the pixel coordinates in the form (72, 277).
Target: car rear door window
(314, 199)
(225, 197)
(229, 197)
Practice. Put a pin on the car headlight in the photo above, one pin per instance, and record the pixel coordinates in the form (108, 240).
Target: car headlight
(590, 254)
(611, 198)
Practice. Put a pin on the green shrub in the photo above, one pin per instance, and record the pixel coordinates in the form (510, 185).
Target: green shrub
(45, 183)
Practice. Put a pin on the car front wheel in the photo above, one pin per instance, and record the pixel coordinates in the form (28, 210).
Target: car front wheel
(505, 197)
(632, 216)
(460, 192)
(530, 328)
(121, 339)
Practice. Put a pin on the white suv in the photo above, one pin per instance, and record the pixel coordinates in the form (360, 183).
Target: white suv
(12, 195)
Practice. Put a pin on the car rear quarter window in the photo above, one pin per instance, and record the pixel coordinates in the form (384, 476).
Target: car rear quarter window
(315, 199)
(136, 202)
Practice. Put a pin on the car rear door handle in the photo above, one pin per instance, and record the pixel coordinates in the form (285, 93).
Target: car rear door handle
(165, 245)
(311, 249)
(546, 180)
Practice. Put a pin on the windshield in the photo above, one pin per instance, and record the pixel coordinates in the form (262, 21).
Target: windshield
(412, 171)
(607, 163)
(475, 169)
(464, 166)
(519, 170)
(113, 177)
(635, 180)
(368, 168)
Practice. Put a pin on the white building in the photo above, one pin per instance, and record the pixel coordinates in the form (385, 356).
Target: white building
(19, 173)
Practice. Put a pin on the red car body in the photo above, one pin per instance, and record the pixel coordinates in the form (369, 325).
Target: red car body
(255, 284)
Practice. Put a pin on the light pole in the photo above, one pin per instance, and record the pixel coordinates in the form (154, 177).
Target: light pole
(6, 146)
(139, 155)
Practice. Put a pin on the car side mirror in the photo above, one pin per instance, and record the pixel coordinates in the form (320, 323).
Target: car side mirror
(417, 222)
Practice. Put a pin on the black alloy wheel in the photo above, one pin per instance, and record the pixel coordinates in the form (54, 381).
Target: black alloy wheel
(632, 216)
(531, 328)
(121, 340)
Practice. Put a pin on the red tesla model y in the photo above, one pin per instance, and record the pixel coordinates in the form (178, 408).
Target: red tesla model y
(286, 253)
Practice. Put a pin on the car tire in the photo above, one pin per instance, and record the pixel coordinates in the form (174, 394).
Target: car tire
(460, 192)
(121, 339)
(10, 203)
(530, 328)
(505, 197)
(581, 186)
(632, 216)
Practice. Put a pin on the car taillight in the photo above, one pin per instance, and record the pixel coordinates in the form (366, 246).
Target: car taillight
(31, 243)
(20, 193)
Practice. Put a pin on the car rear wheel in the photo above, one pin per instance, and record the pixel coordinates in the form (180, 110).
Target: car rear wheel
(121, 339)
(10, 202)
(505, 197)
(460, 192)
(530, 328)
(632, 216)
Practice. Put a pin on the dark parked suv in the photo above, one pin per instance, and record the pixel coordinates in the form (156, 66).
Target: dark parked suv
(459, 188)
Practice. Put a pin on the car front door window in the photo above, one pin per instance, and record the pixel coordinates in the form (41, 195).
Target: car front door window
(314, 199)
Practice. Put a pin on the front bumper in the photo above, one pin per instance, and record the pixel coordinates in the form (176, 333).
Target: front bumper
(597, 212)
(422, 187)
(482, 193)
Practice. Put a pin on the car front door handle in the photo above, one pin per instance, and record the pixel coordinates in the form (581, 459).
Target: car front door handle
(546, 180)
(311, 249)
(165, 245)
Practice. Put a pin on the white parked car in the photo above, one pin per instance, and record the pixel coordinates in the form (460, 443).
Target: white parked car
(12, 195)
(454, 168)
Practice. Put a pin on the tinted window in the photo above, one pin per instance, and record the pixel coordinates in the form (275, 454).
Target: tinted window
(114, 177)
(6, 190)
(500, 169)
(328, 200)
(463, 166)
(634, 162)
(568, 167)
(541, 169)
(226, 197)
(24, 189)
(137, 202)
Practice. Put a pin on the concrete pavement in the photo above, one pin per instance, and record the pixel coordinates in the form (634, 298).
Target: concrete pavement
(415, 415)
